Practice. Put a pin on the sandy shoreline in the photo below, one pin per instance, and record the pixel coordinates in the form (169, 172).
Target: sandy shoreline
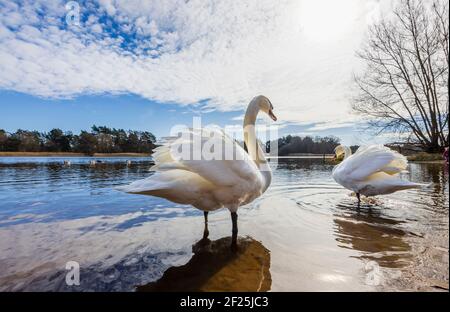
(68, 154)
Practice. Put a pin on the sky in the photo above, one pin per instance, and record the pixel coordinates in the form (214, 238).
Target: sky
(149, 65)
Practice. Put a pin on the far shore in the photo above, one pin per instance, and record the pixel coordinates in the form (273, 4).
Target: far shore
(427, 161)
(418, 158)
(68, 154)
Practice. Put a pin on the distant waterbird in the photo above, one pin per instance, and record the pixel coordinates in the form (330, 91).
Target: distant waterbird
(211, 184)
(128, 162)
(67, 163)
(372, 170)
(92, 163)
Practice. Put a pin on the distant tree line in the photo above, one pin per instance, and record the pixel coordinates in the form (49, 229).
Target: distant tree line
(307, 145)
(99, 140)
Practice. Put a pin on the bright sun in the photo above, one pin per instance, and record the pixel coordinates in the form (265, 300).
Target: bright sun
(327, 20)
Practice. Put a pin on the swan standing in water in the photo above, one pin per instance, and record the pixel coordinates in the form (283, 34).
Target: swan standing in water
(372, 170)
(214, 183)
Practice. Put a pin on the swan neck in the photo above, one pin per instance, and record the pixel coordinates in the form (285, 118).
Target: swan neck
(250, 139)
(251, 114)
(347, 152)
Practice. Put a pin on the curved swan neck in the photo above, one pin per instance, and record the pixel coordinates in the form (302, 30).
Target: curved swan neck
(250, 139)
(347, 152)
(251, 114)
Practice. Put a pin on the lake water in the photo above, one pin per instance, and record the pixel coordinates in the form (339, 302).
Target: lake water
(304, 234)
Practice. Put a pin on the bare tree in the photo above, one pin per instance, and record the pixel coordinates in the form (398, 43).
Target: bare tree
(404, 88)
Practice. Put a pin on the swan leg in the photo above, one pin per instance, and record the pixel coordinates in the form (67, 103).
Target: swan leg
(205, 232)
(359, 199)
(234, 231)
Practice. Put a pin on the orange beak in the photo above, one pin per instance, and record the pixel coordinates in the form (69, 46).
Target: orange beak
(274, 118)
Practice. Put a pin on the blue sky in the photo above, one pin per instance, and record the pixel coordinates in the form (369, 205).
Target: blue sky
(23, 111)
(125, 111)
(150, 65)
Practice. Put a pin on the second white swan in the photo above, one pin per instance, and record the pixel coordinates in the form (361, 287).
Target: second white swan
(372, 170)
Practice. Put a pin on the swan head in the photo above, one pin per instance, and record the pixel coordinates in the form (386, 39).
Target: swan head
(339, 152)
(265, 105)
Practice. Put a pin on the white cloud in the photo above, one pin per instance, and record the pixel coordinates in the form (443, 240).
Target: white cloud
(331, 125)
(97, 28)
(185, 52)
(108, 6)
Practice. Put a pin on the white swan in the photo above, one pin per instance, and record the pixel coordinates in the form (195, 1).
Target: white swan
(209, 185)
(372, 170)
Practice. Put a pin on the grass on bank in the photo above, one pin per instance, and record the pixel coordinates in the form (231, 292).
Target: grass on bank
(425, 157)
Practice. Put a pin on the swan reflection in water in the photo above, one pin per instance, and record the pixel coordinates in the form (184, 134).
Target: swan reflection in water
(377, 237)
(214, 267)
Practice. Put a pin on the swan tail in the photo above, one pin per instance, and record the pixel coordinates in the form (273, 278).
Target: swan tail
(382, 183)
(421, 185)
(408, 185)
(144, 186)
(179, 186)
(412, 185)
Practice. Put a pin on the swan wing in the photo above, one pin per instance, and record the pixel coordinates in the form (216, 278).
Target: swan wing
(210, 153)
(371, 159)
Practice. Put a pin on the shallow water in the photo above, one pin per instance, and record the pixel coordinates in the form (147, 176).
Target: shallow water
(304, 234)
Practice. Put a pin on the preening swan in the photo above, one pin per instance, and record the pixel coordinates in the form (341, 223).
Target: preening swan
(372, 170)
(229, 179)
